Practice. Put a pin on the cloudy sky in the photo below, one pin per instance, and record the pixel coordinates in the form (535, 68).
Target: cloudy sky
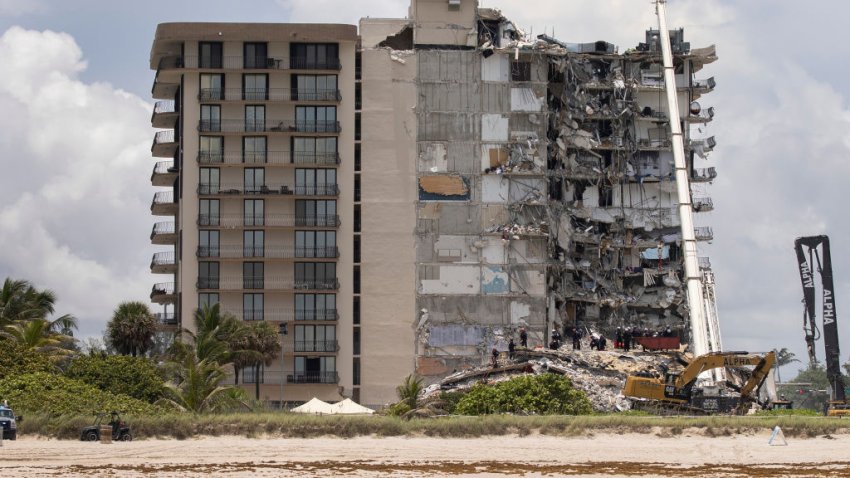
(75, 136)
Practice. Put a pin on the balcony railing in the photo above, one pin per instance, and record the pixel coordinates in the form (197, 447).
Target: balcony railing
(164, 106)
(704, 204)
(704, 262)
(270, 157)
(164, 167)
(267, 126)
(285, 315)
(269, 220)
(166, 318)
(243, 63)
(706, 144)
(163, 259)
(269, 252)
(703, 233)
(162, 137)
(239, 189)
(304, 63)
(313, 377)
(163, 288)
(162, 228)
(707, 84)
(704, 174)
(316, 346)
(268, 94)
(237, 283)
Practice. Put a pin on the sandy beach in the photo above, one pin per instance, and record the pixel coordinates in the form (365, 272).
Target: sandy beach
(686, 455)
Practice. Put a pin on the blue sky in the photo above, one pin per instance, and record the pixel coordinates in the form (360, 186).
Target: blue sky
(77, 107)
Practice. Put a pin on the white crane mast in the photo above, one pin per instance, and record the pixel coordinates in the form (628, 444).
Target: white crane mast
(699, 328)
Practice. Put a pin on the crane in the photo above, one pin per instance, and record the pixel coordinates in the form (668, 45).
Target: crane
(808, 258)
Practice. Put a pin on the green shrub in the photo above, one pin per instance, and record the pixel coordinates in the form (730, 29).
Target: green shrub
(16, 359)
(450, 400)
(546, 394)
(53, 395)
(397, 409)
(802, 412)
(136, 377)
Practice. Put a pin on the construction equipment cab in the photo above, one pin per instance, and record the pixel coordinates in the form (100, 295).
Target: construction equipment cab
(677, 388)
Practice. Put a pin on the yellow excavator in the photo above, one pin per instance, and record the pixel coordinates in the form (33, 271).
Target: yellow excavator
(679, 389)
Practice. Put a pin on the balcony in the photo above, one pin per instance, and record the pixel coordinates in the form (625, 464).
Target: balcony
(703, 233)
(702, 146)
(270, 157)
(314, 346)
(698, 115)
(165, 114)
(163, 293)
(163, 263)
(266, 283)
(704, 204)
(310, 190)
(268, 252)
(269, 220)
(268, 126)
(243, 63)
(164, 174)
(163, 234)
(703, 175)
(167, 321)
(270, 94)
(704, 263)
(313, 377)
(285, 315)
(164, 145)
(163, 204)
(700, 87)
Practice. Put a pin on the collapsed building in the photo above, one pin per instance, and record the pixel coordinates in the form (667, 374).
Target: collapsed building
(546, 196)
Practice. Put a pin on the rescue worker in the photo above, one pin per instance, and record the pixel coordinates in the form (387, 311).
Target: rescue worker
(511, 348)
(523, 337)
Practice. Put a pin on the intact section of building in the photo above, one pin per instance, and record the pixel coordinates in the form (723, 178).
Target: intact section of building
(257, 140)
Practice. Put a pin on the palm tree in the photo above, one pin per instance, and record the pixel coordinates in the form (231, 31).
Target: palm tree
(131, 329)
(783, 357)
(20, 301)
(263, 346)
(39, 335)
(408, 391)
(197, 387)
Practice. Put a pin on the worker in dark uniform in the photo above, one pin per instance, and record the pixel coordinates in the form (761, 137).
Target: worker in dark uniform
(627, 339)
(523, 338)
(618, 339)
(511, 348)
(495, 362)
(576, 338)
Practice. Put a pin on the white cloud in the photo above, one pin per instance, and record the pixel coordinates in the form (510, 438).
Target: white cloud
(74, 202)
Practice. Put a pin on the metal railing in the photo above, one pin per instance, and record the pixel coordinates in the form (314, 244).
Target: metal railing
(704, 262)
(163, 288)
(703, 204)
(269, 252)
(162, 137)
(703, 233)
(285, 315)
(313, 377)
(267, 126)
(164, 106)
(270, 157)
(247, 63)
(268, 220)
(299, 190)
(164, 167)
(239, 283)
(707, 84)
(163, 197)
(269, 94)
(315, 346)
(166, 318)
(163, 259)
(162, 228)
(304, 63)
(707, 144)
(704, 174)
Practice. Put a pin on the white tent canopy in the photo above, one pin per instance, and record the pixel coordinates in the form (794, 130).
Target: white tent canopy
(315, 406)
(345, 407)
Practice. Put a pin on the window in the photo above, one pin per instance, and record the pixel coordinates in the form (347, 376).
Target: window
(356, 188)
(358, 124)
(355, 313)
(318, 56)
(315, 370)
(255, 55)
(208, 212)
(252, 275)
(356, 218)
(208, 243)
(211, 149)
(356, 341)
(255, 87)
(252, 306)
(255, 180)
(315, 307)
(314, 150)
(255, 118)
(356, 249)
(209, 182)
(254, 212)
(315, 87)
(206, 299)
(357, 158)
(309, 213)
(315, 182)
(254, 149)
(208, 275)
(212, 87)
(210, 118)
(520, 71)
(315, 275)
(253, 244)
(209, 54)
(316, 119)
(251, 373)
(356, 280)
(315, 338)
(315, 244)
